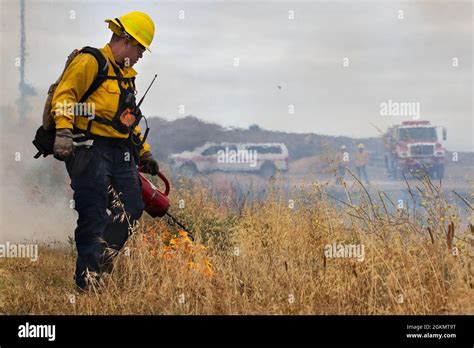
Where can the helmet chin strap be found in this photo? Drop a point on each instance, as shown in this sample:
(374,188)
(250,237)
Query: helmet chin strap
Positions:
(126,35)
(124,32)
(116,53)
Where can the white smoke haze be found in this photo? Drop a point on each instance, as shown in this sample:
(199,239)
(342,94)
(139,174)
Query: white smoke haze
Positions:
(407,60)
(35,193)
(196,42)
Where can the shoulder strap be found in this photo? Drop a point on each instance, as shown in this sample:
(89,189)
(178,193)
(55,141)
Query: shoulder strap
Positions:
(101,74)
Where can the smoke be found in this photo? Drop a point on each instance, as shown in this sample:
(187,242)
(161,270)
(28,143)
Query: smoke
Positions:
(35,193)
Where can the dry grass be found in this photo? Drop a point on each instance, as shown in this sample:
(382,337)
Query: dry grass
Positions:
(266,258)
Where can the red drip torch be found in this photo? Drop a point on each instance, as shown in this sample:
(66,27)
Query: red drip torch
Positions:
(157,202)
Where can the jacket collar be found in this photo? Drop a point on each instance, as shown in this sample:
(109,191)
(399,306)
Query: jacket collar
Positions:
(127,71)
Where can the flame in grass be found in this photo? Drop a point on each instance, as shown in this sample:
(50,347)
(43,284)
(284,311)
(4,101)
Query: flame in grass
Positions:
(181,247)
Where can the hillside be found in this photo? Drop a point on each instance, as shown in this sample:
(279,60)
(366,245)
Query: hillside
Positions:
(186,133)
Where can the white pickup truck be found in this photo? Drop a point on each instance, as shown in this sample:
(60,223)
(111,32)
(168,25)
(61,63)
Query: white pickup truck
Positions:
(262,158)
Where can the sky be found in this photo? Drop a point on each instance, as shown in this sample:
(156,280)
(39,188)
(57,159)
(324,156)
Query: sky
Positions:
(298,66)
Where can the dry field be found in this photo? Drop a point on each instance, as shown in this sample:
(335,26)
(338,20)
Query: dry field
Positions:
(268,257)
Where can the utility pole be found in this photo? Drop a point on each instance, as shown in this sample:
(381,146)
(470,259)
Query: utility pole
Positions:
(25,89)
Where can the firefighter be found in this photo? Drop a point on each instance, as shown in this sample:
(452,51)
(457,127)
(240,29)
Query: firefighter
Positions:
(340,164)
(361,159)
(111,161)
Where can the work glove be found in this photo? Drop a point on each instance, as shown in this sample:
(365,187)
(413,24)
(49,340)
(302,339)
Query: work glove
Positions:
(149,164)
(63,146)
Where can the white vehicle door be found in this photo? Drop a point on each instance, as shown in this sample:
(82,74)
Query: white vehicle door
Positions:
(209,158)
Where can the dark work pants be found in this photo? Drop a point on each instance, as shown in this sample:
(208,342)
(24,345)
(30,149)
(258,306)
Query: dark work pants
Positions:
(341,172)
(362,173)
(107,162)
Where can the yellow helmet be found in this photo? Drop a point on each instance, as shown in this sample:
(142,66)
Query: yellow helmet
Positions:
(138,25)
(360,146)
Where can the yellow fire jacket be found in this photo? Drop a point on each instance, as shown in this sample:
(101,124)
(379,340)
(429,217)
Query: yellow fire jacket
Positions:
(361,158)
(77,78)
